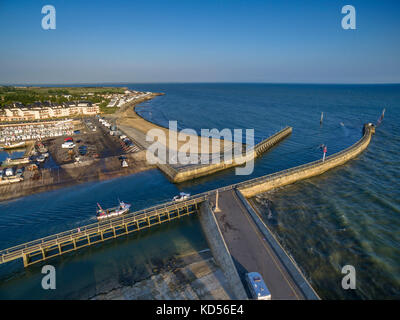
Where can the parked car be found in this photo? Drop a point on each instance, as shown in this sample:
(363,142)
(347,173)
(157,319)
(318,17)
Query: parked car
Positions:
(19,172)
(257,286)
(9,172)
(82,150)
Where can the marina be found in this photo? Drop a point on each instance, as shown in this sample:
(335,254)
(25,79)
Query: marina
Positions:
(194,188)
(18,133)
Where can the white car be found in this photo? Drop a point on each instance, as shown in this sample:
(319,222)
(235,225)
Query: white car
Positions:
(257,286)
(9,172)
(182,196)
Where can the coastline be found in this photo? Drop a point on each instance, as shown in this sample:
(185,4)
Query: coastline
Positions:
(129,118)
(68,175)
(133,125)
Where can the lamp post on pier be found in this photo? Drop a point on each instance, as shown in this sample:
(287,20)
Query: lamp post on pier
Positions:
(217,209)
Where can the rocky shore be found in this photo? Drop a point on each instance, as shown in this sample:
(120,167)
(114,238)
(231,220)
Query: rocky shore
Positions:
(192,277)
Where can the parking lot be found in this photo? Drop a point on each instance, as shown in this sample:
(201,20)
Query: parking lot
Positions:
(91,141)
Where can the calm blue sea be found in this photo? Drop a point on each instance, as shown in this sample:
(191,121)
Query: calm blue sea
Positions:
(350,215)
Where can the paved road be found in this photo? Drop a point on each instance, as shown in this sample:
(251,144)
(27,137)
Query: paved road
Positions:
(250,251)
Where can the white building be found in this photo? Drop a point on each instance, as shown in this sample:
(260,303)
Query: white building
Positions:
(112,103)
(45,112)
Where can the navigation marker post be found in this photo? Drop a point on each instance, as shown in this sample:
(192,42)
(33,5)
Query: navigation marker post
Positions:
(325,150)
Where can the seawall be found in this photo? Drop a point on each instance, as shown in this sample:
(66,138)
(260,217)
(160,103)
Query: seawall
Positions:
(196,171)
(220,250)
(285,258)
(266,183)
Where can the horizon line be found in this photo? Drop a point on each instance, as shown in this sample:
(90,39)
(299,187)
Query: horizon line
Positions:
(194,82)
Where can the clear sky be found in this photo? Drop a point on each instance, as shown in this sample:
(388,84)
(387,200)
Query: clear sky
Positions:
(199,41)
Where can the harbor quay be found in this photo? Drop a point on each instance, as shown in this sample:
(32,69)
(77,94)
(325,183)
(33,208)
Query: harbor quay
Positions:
(240,242)
(65,152)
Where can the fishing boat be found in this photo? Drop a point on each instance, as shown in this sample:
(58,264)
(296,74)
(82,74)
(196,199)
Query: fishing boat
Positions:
(182,196)
(16,161)
(112,212)
(9,146)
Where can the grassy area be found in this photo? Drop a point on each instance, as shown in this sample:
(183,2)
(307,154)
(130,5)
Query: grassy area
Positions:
(27,95)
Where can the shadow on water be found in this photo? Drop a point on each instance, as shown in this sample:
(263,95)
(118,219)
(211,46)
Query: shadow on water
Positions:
(109,265)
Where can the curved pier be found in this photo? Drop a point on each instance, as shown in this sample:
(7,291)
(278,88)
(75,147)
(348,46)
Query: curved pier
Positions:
(275,180)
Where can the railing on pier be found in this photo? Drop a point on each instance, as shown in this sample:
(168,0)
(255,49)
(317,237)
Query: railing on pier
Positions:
(138,220)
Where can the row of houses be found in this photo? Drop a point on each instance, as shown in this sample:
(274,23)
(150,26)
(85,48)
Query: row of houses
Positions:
(118,100)
(45,110)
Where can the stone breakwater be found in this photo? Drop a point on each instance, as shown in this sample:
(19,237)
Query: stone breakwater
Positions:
(266,183)
(195,171)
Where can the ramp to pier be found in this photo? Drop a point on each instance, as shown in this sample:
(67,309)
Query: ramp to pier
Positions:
(249,249)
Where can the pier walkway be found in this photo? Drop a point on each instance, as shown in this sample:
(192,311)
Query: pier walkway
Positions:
(58,244)
(250,250)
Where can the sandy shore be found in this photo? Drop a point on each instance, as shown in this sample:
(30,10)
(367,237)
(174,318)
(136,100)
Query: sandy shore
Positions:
(128,117)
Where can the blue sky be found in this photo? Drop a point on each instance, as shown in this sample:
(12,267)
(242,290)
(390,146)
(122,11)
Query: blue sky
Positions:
(199,41)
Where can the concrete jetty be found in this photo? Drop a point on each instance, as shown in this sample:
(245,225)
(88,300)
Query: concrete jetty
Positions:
(189,172)
(196,171)
(251,251)
(272,181)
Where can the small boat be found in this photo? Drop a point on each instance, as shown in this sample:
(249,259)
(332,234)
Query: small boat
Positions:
(124,164)
(16,161)
(182,196)
(112,212)
(41,158)
(9,146)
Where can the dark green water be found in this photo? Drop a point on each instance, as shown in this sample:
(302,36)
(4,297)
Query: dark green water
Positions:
(347,216)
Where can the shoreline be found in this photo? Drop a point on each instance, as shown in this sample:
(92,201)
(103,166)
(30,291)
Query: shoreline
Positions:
(98,170)
(129,118)
(53,179)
